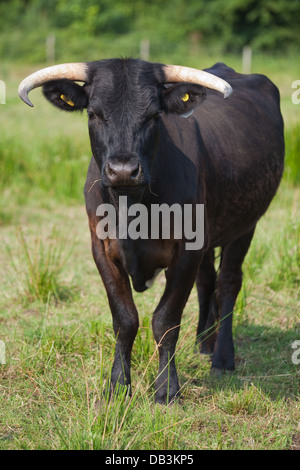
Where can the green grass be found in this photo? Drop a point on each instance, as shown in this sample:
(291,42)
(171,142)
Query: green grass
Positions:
(38,269)
(56,324)
(59,354)
(292,162)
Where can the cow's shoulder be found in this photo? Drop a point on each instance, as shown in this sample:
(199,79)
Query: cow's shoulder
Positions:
(254,80)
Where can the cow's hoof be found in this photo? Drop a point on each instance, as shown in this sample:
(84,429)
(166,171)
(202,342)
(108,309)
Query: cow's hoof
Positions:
(216,372)
(206,350)
(116,392)
(223,362)
(167,399)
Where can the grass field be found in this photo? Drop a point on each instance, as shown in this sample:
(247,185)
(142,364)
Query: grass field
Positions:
(56,324)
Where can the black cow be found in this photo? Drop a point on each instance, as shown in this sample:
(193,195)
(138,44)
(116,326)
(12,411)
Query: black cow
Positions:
(164,134)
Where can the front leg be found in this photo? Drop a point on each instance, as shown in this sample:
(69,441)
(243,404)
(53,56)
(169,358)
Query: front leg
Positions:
(166,324)
(124,312)
(116,282)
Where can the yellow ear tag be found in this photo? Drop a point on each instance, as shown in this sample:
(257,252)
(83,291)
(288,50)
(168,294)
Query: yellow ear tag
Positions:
(67,100)
(186,97)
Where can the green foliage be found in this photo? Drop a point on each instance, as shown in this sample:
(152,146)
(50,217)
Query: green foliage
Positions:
(262,24)
(93,17)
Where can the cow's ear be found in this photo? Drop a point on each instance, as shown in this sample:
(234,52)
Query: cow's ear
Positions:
(65,94)
(182,98)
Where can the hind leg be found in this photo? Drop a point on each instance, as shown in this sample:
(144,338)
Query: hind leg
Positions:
(206,285)
(228,286)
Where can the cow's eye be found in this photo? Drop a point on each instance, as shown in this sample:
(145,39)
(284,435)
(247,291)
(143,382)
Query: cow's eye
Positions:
(154,117)
(92,115)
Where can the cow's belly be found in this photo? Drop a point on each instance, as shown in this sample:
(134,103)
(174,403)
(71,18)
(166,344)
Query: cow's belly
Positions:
(237,213)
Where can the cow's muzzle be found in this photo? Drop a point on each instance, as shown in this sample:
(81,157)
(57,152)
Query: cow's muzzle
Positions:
(123,174)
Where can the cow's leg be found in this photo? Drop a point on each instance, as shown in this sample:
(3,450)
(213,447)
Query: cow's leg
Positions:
(206,285)
(166,325)
(124,313)
(228,287)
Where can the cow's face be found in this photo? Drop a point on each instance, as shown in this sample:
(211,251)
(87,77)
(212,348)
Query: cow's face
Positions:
(126,101)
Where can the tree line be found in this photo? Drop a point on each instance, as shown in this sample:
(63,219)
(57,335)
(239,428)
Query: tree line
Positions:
(262,24)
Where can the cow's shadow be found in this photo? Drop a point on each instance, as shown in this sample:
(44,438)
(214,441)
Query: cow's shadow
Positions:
(265,359)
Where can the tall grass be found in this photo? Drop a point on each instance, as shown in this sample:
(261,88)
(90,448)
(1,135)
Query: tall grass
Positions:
(56,167)
(38,267)
(59,356)
(292,159)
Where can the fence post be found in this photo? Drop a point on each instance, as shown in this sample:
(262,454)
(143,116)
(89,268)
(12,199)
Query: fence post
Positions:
(50,48)
(2,352)
(145,49)
(247,59)
(2,92)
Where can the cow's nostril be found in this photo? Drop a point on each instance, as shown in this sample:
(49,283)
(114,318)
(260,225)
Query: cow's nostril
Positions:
(136,172)
(110,172)
(123,173)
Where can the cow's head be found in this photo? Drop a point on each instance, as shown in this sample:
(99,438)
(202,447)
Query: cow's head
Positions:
(125,99)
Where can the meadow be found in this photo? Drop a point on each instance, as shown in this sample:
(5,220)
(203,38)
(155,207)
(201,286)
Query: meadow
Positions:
(56,324)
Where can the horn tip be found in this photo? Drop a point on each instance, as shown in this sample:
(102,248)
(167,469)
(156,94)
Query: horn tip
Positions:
(24,97)
(27,101)
(227,92)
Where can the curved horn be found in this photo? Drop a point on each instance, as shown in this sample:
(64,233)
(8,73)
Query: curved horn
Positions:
(73,71)
(176,73)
